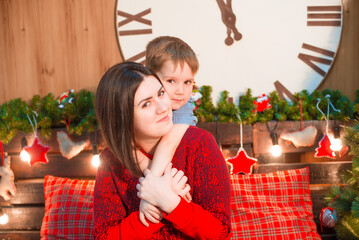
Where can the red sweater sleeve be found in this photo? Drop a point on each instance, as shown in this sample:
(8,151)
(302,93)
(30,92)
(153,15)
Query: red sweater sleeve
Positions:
(208,216)
(197,223)
(110,217)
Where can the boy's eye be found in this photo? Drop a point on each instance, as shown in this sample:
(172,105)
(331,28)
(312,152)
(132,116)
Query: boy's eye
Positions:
(170,81)
(188,82)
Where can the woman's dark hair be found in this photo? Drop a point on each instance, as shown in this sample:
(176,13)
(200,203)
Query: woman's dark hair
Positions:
(114,104)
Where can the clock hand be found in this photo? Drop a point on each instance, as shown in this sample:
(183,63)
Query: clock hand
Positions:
(229,20)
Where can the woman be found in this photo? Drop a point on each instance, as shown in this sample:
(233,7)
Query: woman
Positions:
(134,111)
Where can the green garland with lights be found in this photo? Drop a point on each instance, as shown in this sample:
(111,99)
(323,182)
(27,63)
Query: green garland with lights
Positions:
(281,110)
(80,114)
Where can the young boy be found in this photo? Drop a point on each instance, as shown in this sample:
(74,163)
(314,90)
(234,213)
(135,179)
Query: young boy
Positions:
(176,64)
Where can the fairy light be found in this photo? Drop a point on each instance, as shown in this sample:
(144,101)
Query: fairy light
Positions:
(336,142)
(4,218)
(276,150)
(24,156)
(95,161)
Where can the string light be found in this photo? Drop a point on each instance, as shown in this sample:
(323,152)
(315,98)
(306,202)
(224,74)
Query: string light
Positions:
(24,156)
(4,218)
(276,150)
(95,161)
(336,142)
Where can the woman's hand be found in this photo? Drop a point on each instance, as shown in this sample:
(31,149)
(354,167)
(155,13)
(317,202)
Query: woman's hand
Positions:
(150,212)
(158,190)
(179,184)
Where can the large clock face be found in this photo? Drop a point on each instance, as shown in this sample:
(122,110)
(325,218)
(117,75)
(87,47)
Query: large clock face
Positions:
(240,44)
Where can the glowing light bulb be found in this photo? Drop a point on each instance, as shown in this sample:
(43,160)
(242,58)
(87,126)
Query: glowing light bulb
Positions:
(4,219)
(336,144)
(25,156)
(95,161)
(276,150)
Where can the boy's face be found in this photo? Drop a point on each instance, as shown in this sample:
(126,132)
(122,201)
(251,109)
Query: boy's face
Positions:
(178,82)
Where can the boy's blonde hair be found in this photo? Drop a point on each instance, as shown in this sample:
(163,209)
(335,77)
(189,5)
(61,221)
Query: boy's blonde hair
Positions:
(164,48)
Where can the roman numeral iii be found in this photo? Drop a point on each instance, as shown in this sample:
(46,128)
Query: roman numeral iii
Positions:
(324,16)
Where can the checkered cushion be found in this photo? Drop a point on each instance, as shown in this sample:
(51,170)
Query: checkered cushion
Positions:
(272,206)
(68,208)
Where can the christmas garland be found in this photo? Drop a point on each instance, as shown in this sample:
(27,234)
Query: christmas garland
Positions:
(75,111)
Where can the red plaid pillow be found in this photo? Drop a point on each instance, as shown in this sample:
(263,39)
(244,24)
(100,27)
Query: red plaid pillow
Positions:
(272,206)
(68,208)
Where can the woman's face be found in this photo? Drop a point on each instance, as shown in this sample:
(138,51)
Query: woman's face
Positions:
(152,110)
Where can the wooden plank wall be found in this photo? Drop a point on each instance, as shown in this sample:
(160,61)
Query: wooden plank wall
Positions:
(51,46)
(26,209)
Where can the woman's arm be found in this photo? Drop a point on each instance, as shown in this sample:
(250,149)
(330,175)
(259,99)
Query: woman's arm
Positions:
(110,216)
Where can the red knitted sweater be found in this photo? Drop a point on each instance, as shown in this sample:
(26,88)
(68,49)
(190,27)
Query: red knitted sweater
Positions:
(206,217)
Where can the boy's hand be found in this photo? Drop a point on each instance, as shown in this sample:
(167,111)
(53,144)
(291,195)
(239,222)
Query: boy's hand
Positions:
(150,212)
(179,184)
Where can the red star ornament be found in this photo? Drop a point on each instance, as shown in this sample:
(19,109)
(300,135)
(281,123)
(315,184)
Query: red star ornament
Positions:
(241,162)
(37,152)
(324,148)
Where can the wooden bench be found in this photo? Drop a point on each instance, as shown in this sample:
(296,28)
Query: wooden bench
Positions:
(26,209)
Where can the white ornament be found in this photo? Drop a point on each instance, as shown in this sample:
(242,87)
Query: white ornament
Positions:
(7,186)
(303,138)
(69,148)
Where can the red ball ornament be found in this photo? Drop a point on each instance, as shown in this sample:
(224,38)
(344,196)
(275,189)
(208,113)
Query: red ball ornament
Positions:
(324,148)
(328,217)
(241,162)
(37,152)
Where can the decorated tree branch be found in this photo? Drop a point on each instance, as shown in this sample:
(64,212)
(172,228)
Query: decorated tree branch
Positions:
(345,200)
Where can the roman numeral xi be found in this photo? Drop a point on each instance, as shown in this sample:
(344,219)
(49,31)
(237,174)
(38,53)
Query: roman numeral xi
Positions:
(139,17)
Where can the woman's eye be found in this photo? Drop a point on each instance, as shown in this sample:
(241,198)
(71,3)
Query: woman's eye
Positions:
(161,93)
(146,104)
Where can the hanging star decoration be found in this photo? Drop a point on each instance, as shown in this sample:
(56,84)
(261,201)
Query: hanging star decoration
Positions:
(37,152)
(324,148)
(241,162)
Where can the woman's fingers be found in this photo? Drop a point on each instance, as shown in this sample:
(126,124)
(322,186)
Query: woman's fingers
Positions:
(151,218)
(143,219)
